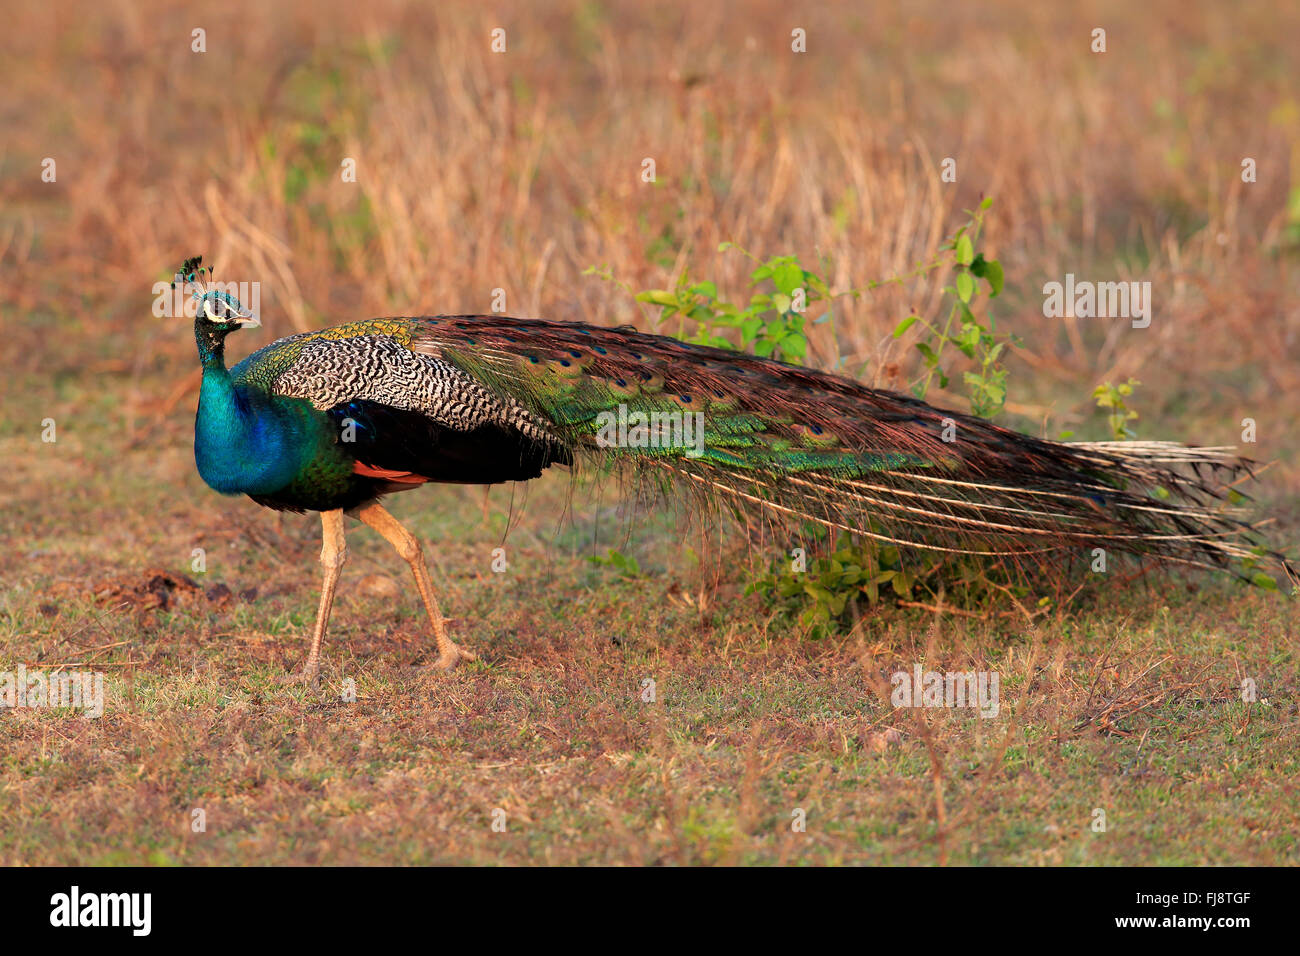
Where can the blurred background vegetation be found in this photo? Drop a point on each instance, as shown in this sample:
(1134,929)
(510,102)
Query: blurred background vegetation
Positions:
(519,170)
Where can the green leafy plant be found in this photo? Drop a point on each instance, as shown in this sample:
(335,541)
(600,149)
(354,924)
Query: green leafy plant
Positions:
(831,592)
(986,382)
(625,565)
(825,593)
(1249,571)
(1115,398)
(773,323)
(1293,216)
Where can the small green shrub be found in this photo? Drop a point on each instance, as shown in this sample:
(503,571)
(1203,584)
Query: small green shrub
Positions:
(986,382)
(829,592)
(624,565)
(772,324)
(1115,397)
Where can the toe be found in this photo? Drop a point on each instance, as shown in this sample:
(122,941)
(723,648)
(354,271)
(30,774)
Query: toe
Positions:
(452,656)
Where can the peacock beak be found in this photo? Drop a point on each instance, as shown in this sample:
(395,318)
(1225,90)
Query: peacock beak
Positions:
(245,319)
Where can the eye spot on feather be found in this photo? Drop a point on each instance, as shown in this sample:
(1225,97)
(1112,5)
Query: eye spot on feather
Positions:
(575,353)
(601,351)
(815,435)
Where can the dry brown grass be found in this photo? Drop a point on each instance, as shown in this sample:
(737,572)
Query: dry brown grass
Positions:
(518,171)
(1134,711)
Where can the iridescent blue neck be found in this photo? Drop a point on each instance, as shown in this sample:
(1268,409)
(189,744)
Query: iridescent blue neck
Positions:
(211,339)
(245,441)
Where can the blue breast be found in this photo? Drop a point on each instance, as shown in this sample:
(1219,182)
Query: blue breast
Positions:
(247,442)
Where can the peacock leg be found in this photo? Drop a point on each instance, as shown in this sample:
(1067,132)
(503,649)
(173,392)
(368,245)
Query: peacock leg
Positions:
(408,546)
(333,555)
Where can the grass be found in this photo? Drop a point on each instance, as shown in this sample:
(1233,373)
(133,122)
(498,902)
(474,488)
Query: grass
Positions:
(1131,705)
(519,171)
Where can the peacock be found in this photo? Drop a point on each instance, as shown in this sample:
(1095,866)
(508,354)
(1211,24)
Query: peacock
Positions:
(332,421)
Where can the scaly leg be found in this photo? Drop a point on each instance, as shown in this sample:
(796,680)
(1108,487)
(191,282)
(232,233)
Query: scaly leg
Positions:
(333,555)
(408,546)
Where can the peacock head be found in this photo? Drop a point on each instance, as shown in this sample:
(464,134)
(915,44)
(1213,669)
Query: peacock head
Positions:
(218,312)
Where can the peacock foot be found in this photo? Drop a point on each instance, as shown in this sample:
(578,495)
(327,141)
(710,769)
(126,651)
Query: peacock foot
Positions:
(452,654)
(305,676)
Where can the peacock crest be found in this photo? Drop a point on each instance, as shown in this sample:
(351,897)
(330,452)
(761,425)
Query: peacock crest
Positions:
(215,304)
